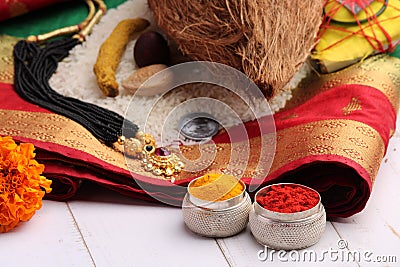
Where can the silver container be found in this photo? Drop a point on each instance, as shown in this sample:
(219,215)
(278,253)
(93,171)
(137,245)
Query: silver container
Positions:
(287,231)
(219,218)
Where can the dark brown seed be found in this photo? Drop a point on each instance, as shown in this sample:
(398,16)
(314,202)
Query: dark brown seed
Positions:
(151,48)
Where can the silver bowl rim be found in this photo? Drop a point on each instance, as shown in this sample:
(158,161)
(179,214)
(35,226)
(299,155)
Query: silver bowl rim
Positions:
(222,210)
(216,205)
(308,219)
(285,217)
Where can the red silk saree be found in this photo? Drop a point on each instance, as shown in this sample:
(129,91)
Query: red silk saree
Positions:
(331,136)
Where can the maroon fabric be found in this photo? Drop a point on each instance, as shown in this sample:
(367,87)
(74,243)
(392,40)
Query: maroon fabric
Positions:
(13,8)
(345,186)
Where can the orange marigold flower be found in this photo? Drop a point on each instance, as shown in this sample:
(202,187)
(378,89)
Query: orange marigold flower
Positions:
(22,186)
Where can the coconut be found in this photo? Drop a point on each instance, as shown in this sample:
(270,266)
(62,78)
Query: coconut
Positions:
(268,40)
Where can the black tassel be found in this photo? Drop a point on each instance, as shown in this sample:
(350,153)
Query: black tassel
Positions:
(34,65)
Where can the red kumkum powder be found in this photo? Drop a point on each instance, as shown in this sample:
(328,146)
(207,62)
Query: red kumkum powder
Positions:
(287,198)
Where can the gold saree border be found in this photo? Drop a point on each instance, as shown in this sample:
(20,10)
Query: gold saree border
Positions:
(348,139)
(56,129)
(6,58)
(381,72)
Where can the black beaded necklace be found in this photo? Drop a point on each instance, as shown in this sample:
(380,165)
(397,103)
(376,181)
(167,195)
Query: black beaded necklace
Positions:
(34,64)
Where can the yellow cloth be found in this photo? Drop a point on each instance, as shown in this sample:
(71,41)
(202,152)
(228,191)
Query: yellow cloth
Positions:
(340,43)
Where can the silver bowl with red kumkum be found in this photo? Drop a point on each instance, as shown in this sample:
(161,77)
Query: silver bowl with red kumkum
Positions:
(287,216)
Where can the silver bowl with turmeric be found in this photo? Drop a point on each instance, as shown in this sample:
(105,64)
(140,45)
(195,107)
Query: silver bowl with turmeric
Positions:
(216,205)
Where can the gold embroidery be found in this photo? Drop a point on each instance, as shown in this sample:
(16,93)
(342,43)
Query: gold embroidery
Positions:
(381,72)
(10,131)
(6,58)
(102,155)
(353,105)
(354,154)
(42,136)
(305,128)
(365,146)
(81,134)
(333,124)
(320,149)
(49,127)
(75,144)
(367,131)
(328,137)
(358,142)
(296,143)
(59,130)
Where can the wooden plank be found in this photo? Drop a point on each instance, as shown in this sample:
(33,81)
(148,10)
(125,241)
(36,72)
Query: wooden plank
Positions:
(125,232)
(50,238)
(376,230)
(243,250)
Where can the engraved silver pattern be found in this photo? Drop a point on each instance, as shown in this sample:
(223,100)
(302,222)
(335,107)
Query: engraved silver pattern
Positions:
(216,223)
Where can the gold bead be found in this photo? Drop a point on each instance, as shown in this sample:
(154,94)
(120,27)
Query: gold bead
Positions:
(169,171)
(163,164)
(181,164)
(157,172)
(177,168)
(132,147)
(139,135)
(148,139)
(148,167)
(149,149)
(121,140)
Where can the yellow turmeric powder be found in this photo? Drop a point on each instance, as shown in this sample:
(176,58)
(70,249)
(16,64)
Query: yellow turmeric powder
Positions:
(216,187)
(111,51)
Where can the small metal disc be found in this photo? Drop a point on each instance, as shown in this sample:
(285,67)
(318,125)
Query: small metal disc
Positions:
(198,126)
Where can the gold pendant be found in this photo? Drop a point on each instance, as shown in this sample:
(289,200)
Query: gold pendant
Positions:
(158,160)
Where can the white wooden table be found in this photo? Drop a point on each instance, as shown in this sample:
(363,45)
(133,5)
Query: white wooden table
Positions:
(101,228)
